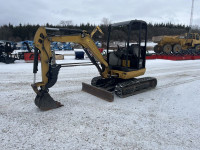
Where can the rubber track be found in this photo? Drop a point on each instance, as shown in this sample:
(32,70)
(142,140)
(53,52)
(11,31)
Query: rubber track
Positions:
(135,86)
(125,88)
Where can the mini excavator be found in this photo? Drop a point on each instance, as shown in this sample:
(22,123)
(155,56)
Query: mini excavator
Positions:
(118,71)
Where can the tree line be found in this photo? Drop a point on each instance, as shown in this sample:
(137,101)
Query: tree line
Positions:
(27,31)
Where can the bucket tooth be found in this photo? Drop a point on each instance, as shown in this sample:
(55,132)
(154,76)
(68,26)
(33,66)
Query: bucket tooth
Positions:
(98,92)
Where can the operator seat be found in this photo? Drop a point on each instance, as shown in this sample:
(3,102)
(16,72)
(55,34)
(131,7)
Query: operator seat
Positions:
(134,55)
(133,50)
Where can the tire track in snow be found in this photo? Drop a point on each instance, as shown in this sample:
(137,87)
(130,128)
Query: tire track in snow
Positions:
(177,83)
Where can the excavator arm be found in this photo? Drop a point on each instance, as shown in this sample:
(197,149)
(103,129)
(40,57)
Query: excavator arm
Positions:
(50,71)
(97,28)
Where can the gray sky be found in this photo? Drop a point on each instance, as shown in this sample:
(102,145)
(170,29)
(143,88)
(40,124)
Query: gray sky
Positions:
(92,11)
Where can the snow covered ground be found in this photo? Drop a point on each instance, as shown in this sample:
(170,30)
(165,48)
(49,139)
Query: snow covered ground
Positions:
(167,117)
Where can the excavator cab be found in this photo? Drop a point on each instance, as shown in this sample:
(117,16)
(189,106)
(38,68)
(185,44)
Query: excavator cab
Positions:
(131,55)
(125,63)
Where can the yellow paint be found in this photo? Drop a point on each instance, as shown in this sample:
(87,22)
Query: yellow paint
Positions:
(124,63)
(128,75)
(95,30)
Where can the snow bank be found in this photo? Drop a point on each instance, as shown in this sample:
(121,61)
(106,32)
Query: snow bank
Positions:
(167,117)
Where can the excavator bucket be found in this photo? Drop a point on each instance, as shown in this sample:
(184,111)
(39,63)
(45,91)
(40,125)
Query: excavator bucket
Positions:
(98,92)
(45,102)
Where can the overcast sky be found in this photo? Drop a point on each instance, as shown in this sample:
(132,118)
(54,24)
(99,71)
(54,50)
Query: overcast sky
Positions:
(92,11)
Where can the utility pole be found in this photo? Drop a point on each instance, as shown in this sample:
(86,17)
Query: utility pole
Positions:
(191,16)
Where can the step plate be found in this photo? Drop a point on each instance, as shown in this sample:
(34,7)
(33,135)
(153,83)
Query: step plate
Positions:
(98,92)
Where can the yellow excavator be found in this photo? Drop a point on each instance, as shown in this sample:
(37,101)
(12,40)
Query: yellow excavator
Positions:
(118,71)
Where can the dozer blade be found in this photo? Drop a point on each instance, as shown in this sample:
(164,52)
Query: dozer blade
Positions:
(45,102)
(98,92)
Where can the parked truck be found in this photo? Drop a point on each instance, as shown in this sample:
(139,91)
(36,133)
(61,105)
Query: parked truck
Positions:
(186,44)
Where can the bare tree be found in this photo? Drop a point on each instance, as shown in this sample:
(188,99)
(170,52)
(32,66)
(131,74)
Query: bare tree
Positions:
(195,27)
(105,21)
(66,22)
